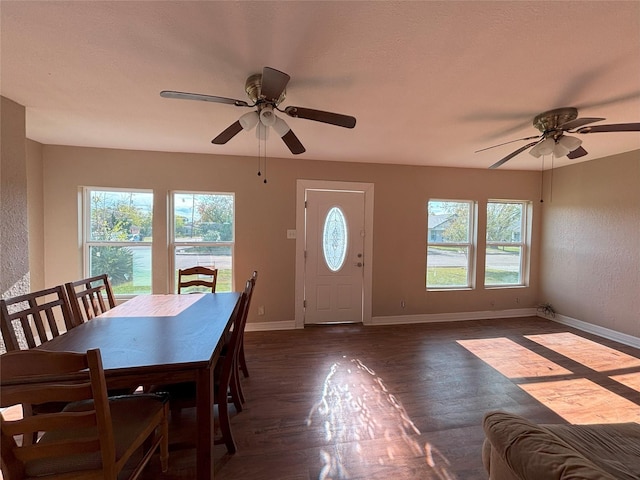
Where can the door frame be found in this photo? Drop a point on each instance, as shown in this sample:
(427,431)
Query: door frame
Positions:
(302,186)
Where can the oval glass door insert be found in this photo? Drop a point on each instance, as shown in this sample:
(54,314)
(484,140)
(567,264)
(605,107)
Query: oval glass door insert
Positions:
(334,239)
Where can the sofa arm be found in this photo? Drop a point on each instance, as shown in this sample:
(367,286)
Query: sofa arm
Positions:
(494,464)
(531,452)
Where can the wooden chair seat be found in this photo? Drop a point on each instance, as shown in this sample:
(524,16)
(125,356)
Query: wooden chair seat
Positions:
(131,416)
(94,436)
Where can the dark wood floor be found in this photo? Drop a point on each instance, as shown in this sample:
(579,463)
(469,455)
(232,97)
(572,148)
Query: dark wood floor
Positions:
(406,402)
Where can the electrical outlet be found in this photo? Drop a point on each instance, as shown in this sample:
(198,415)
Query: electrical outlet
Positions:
(261,310)
(403,304)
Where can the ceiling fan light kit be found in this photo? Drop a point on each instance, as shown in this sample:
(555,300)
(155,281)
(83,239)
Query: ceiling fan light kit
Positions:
(545,147)
(552,139)
(249,120)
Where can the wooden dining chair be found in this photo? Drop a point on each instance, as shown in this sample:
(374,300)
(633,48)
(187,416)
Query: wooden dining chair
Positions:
(34,318)
(197,280)
(90,297)
(235,387)
(242,361)
(93,437)
(183,395)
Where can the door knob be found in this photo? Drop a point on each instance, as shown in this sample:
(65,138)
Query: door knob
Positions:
(359,264)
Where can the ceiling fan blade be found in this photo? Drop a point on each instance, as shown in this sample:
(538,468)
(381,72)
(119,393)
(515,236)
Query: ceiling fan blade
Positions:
(577,153)
(579,122)
(614,127)
(511,155)
(293,143)
(338,119)
(273,83)
(203,98)
(229,132)
(506,143)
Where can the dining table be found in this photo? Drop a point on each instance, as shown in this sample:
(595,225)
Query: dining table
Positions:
(160,339)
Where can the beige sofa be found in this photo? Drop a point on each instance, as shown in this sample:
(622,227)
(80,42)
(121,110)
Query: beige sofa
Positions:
(515,448)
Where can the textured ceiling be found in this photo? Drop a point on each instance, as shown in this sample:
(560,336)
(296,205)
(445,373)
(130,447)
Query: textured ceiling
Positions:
(429,82)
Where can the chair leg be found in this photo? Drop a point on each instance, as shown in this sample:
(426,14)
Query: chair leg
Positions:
(236,390)
(243,361)
(225,426)
(239,386)
(164,445)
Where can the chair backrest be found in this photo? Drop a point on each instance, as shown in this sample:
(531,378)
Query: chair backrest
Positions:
(90,297)
(253,279)
(36,377)
(233,345)
(34,318)
(197,279)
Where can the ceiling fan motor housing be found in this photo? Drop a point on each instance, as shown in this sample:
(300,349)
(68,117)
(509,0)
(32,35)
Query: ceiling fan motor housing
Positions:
(551,121)
(253,87)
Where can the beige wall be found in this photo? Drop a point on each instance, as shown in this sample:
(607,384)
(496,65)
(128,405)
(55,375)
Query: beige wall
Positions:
(35,213)
(265,212)
(586,243)
(14,228)
(591,242)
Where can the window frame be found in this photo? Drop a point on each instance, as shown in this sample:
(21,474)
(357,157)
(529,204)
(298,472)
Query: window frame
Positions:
(524,244)
(470,245)
(174,244)
(88,243)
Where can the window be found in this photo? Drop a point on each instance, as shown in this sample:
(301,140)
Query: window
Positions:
(451,225)
(203,233)
(117,238)
(506,243)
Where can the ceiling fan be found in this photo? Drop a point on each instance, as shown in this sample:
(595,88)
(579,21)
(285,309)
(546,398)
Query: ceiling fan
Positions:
(552,140)
(266,91)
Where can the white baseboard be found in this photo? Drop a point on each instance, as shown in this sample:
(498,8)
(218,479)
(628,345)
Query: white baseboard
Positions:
(452,317)
(596,330)
(463,316)
(267,326)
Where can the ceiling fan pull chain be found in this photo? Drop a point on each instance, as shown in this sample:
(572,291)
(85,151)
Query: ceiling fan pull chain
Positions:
(259,172)
(542,180)
(265,160)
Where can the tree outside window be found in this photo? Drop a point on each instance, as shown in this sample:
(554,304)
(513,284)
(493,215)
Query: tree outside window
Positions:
(506,228)
(203,233)
(449,244)
(118,238)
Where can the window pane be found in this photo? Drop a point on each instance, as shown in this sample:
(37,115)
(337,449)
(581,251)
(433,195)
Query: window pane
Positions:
(120,216)
(503,265)
(203,217)
(447,266)
(504,222)
(129,268)
(220,257)
(449,222)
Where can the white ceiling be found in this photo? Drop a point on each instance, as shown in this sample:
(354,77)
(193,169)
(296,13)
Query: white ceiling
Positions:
(429,82)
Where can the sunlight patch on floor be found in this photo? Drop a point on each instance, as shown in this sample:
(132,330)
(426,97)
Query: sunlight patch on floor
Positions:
(365,424)
(590,354)
(511,359)
(631,380)
(581,401)
(576,399)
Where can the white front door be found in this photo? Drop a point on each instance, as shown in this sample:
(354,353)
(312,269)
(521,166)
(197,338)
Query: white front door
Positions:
(334,256)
